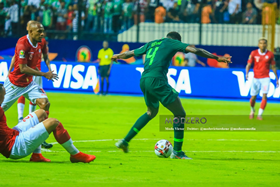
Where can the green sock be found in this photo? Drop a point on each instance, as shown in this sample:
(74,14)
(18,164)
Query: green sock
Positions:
(139,124)
(178,136)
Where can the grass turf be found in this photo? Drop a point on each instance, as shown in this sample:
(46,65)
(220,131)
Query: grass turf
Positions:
(95,122)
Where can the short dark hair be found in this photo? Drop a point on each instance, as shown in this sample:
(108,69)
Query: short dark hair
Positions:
(263,38)
(174,35)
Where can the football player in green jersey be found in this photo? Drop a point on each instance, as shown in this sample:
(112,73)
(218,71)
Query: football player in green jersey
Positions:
(155,87)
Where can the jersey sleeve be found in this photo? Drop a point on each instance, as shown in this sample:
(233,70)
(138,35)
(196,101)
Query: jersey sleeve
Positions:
(21,51)
(272,61)
(142,50)
(179,46)
(251,58)
(99,54)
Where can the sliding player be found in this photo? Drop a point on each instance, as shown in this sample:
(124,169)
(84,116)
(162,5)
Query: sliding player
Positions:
(24,138)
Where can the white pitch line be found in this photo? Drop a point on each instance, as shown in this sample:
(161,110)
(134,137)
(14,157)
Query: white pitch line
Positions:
(143,139)
(147,151)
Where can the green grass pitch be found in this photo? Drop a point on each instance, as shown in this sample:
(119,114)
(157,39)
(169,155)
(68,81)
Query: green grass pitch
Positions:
(95,122)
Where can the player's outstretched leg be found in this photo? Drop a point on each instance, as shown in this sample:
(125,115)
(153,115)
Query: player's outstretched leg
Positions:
(178,111)
(20,107)
(252,104)
(44,103)
(25,128)
(63,138)
(139,124)
(262,107)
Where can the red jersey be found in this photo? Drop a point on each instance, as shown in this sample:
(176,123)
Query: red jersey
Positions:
(262,62)
(25,53)
(44,51)
(7,136)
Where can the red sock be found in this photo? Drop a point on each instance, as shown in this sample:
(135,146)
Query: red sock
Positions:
(21,100)
(61,135)
(32,103)
(252,102)
(263,103)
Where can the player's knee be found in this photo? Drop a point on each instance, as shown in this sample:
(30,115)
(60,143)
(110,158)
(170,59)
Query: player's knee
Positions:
(152,113)
(44,104)
(181,114)
(53,122)
(264,96)
(41,114)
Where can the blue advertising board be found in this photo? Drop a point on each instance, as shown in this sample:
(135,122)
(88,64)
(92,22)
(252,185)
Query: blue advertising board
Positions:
(125,79)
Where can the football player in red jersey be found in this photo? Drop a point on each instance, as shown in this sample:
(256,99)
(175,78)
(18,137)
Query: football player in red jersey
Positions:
(37,79)
(262,60)
(26,136)
(20,82)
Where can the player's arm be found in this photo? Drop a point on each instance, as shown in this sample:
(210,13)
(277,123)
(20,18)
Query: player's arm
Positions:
(206,54)
(47,60)
(248,67)
(12,65)
(125,55)
(273,67)
(45,51)
(27,70)
(249,64)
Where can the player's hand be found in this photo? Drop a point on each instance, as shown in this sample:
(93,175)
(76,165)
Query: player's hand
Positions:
(108,73)
(51,76)
(115,58)
(224,59)
(246,77)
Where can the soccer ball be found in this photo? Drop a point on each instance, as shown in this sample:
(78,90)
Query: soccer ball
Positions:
(163,148)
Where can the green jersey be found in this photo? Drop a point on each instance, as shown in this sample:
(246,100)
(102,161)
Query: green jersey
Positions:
(127,9)
(158,56)
(117,7)
(108,9)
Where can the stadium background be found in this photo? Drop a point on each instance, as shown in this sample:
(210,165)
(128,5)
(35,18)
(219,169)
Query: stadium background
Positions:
(96,123)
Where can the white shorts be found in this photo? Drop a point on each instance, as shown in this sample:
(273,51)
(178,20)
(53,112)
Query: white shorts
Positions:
(38,80)
(260,85)
(31,92)
(31,135)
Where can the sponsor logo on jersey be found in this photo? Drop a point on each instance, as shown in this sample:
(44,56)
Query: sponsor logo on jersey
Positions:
(21,54)
(266,57)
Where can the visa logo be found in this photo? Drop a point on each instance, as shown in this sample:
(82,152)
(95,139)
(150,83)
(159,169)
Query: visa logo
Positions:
(245,86)
(73,78)
(183,82)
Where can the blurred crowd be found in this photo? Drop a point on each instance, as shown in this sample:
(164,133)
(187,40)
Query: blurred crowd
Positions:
(114,16)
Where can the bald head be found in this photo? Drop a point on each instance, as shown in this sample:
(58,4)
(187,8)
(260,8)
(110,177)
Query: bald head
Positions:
(28,24)
(36,31)
(2,93)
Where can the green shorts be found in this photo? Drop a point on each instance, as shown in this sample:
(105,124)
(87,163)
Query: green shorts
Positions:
(157,90)
(103,70)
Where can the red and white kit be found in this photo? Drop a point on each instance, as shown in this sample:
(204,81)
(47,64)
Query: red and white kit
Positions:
(18,84)
(262,62)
